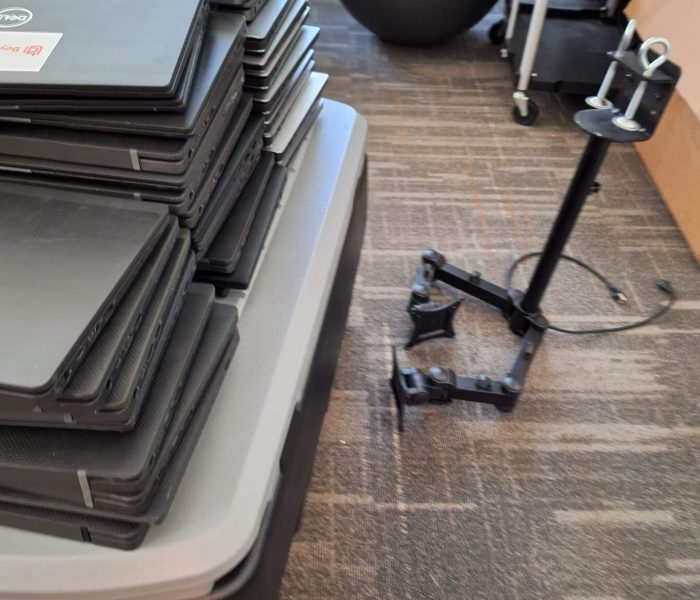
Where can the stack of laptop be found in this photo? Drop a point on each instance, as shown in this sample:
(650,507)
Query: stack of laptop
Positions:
(286,92)
(110,362)
(74,55)
(279,63)
(111,357)
(230,261)
(170,141)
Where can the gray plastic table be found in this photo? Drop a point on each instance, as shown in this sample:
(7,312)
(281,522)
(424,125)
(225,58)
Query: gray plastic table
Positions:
(234,473)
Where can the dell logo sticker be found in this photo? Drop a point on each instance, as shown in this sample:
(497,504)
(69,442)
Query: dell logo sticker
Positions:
(14,17)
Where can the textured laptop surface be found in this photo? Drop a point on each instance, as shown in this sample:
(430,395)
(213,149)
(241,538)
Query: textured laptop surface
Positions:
(234,177)
(84,46)
(64,465)
(223,47)
(63,266)
(200,392)
(243,272)
(224,252)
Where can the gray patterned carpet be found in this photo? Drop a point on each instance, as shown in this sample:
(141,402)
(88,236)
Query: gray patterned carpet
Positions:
(590,489)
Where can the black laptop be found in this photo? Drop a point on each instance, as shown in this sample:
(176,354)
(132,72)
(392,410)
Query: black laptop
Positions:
(240,166)
(244,268)
(217,88)
(208,88)
(84,48)
(64,267)
(190,192)
(199,393)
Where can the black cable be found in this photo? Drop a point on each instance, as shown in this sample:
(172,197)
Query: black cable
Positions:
(615,293)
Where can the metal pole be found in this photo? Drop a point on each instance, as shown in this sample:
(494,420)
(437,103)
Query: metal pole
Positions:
(570,209)
(600,100)
(611,8)
(512,18)
(532,43)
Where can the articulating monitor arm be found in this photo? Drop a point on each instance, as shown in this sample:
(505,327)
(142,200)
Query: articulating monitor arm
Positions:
(432,319)
(413,387)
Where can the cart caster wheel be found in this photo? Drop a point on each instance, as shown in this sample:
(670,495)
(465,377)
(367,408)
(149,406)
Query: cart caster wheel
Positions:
(497,32)
(532,113)
(506,406)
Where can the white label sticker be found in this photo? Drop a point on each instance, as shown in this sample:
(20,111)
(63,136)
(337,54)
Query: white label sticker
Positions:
(26,50)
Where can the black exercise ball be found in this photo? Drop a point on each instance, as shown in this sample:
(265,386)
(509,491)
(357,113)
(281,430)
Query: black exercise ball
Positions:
(418,22)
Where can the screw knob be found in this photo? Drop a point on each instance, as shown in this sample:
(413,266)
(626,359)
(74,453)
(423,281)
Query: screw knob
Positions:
(483,382)
(438,375)
(512,385)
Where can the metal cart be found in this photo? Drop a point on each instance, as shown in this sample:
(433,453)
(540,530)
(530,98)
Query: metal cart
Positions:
(557,46)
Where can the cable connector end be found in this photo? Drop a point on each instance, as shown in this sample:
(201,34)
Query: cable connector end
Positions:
(665,286)
(618,295)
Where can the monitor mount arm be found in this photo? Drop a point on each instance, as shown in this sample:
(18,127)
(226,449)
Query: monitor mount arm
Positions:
(648,81)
